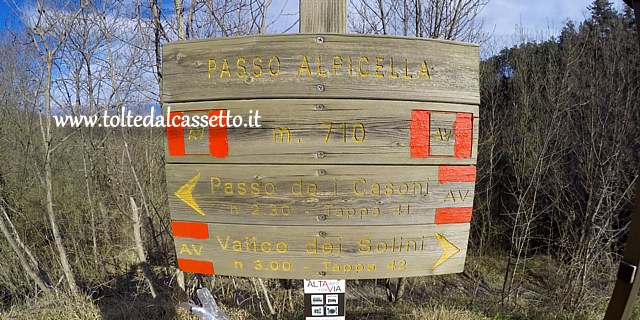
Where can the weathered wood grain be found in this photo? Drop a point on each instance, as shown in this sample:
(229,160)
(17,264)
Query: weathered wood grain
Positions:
(323,188)
(314,195)
(329,252)
(346,66)
(326,16)
(295,131)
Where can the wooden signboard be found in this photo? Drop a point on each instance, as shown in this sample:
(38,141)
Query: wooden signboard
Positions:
(363,166)
(321,66)
(304,195)
(342,131)
(332,251)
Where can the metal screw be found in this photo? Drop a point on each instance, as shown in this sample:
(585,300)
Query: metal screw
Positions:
(322,172)
(322,273)
(320,155)
(322,217)
(322,234)
(320,87)
(319,107)
(319,39)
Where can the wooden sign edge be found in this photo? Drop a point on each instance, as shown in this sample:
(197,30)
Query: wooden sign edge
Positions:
(305,35)
(424,105)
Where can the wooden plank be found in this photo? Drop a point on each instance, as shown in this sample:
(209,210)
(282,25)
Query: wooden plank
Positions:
(332,252)
(321,66)
(311,195)
(326,16)
(295,131)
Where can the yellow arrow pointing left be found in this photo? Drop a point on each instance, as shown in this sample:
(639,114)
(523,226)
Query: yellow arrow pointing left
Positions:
(449,250)
(185,194)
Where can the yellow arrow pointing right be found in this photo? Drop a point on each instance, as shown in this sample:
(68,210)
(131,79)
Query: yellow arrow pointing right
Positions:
(449,250)
(185,194)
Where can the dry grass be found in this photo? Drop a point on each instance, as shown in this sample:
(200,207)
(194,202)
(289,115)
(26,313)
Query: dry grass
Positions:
(445,313)
(472,295)
(54,307)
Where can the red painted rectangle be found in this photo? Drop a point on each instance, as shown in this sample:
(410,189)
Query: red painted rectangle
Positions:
(456,174)
(453,215)
(419,128)
(218,139)
(195,266)
(463,132)
(175,135)
(195,230)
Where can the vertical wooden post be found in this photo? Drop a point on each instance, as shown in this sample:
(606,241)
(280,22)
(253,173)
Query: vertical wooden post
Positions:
(323,16)
(626,290)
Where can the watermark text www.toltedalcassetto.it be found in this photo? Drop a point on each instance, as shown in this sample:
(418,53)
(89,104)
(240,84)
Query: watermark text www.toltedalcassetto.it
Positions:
(126,119)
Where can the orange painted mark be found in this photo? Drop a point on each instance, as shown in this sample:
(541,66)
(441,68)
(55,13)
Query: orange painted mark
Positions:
(456,174)
(195,230)
(463,132)
(195,266)
(453,215)
(175,135)
(218,139)
(419,128)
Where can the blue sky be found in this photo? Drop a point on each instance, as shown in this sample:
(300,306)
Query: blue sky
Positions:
(4,14)
(501,17)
